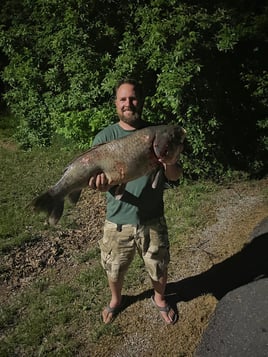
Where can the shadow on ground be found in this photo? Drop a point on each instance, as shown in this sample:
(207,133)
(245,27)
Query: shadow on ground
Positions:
(249,264)
(239,325)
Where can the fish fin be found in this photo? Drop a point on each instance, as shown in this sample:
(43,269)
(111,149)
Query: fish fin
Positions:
(74,196)
(155,178)
(48,203)
(56,213)
(119,191)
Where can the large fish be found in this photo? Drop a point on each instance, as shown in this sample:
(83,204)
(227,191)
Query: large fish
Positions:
(121,160)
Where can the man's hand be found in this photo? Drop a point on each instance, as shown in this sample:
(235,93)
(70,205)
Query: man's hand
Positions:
(99,182)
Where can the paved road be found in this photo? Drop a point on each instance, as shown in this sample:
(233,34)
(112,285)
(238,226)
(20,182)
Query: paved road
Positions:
(239,326)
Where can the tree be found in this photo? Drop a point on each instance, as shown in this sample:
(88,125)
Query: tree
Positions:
(59,52)
(203,66)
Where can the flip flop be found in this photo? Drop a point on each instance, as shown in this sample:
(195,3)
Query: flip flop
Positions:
(113,311)
(165,309)
(110,311)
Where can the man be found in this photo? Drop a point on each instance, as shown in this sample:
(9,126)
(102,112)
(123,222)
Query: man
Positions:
(136,221)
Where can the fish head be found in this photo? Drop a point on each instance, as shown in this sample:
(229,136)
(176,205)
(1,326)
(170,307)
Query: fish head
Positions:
(168,141)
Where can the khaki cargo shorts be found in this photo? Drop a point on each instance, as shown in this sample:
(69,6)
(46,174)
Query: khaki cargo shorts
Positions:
(120,242)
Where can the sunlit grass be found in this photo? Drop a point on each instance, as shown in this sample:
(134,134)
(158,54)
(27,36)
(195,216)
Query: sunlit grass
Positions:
(58,312)
(24,174)
(187,208)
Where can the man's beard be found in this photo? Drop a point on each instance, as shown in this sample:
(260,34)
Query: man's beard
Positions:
(130,119)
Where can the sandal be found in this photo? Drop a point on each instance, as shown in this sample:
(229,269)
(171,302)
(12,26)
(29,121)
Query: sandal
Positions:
(109,313)
(165,309)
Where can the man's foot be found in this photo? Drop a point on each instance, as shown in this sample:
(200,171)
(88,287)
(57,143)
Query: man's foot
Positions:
(166,312)
(109,313)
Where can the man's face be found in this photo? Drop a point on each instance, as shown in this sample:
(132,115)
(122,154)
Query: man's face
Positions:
(128,104)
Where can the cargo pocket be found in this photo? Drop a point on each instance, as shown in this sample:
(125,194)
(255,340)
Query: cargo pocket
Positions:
(106,247)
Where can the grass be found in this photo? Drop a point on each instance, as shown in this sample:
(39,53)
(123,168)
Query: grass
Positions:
(45,319)
(187,208)
(39,317)
(23,175)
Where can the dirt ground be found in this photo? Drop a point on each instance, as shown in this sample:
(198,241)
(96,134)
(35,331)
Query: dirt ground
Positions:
(238,209)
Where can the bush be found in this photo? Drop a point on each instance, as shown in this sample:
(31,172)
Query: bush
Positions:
(203,66)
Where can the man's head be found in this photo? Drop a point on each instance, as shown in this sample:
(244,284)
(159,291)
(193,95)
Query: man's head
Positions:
(129,101)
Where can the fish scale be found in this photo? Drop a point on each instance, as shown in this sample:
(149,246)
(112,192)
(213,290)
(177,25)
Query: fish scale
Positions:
(121,160)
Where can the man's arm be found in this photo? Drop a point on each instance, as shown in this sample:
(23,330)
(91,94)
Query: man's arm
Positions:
(99,182)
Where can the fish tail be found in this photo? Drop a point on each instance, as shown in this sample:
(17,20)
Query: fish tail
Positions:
(56,213)
(50,204)
(43,203)
(74,196)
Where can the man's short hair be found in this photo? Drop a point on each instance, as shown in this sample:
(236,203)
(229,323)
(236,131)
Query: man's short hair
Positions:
(137,85)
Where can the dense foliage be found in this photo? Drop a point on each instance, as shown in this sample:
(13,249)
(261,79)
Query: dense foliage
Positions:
(203,65)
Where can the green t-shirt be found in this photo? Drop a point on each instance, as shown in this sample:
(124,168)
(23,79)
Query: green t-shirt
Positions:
(140,202)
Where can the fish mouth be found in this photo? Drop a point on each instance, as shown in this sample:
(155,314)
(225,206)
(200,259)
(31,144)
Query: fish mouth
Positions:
(164,154)
(168,145)
(159,151)
(168,154)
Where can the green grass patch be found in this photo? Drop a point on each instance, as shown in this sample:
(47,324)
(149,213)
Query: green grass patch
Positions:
(24,174)
(89,255)
(187,208)
(37,317)
(56,315)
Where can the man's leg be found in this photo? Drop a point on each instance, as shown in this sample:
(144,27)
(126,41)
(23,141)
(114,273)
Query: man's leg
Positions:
(159,298)
(116,298)
(117,252)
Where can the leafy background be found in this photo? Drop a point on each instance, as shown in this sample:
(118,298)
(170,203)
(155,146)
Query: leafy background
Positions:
(203,65)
